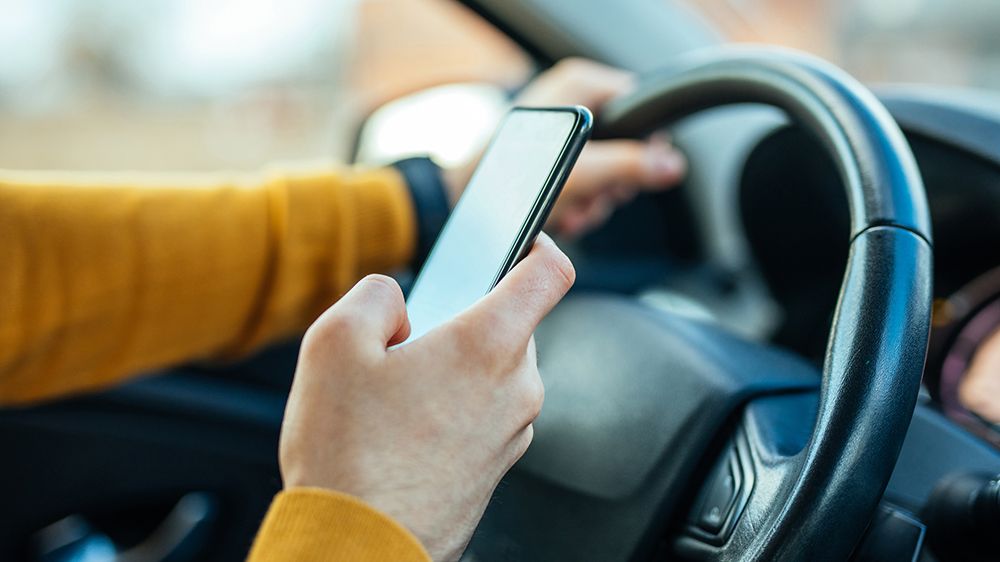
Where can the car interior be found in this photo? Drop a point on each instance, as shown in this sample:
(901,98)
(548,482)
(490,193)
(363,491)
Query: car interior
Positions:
(759,365)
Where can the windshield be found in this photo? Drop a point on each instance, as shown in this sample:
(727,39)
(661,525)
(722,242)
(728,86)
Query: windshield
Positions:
(226,84)
(942,42)
(229,84)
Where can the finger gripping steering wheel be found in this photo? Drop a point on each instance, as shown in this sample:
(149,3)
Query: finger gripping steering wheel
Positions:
(809,505)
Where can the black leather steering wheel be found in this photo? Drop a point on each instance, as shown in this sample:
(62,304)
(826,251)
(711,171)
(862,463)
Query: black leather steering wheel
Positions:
(640,403)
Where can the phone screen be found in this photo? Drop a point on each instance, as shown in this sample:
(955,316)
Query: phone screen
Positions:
(502,196)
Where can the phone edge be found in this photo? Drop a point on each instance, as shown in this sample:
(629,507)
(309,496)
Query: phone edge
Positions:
(553,184)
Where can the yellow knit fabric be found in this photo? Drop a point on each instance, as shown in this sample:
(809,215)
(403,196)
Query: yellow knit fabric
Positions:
(306,524)
(104,277)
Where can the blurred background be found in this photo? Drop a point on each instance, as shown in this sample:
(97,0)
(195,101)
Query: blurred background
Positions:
(240,84)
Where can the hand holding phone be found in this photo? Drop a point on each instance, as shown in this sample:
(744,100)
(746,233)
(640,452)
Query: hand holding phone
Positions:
(500,213)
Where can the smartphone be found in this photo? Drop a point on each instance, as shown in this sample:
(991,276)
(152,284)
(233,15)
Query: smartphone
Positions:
(500,212)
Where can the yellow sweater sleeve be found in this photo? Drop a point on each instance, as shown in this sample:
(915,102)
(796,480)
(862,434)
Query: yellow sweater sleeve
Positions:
(104,277)
(306,524)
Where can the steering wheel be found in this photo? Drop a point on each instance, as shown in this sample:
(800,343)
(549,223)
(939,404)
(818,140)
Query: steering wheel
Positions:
(663,436)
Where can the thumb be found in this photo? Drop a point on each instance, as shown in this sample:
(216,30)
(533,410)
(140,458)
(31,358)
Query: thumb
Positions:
(373,311)
(604,165)
(524,296)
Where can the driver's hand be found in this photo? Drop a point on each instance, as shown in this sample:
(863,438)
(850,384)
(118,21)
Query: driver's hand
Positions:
(423,432)
(979,389)
(609,172)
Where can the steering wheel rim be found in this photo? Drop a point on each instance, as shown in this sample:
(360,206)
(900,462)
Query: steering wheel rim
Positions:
(878,341)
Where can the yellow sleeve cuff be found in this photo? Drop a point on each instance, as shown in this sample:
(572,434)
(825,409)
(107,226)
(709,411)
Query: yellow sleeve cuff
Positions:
(307,524)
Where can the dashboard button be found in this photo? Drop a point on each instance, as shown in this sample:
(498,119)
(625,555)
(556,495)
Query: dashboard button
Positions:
(720,497)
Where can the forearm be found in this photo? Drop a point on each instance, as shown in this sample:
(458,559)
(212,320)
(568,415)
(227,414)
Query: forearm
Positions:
(102,279)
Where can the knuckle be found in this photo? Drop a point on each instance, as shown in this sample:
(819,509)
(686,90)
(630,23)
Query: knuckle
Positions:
(533,395)
(332,330)
(314,345)
(523,440)
(379,282)
(574,67)
(337,324)
(387,291)
(313,338)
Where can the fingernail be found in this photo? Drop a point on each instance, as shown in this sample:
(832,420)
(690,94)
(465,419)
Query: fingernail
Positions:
(667,164)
